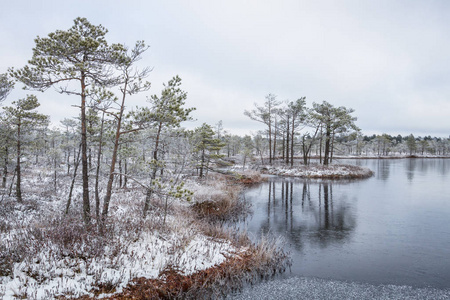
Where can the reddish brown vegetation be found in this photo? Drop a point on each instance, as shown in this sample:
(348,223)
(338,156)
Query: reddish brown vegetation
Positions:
(205,284)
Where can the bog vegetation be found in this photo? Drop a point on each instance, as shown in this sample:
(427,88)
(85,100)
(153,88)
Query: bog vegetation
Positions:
(85,193)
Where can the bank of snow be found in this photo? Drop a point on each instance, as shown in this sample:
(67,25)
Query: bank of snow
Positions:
(44,254)
(53,271)
(334,171)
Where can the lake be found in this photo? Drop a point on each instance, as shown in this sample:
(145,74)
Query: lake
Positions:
(392,228)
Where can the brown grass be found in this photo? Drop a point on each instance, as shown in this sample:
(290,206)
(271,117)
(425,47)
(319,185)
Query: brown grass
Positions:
(220,201)
(249,177)
(263,260)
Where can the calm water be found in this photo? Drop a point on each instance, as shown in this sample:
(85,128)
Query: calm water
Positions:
(393,228)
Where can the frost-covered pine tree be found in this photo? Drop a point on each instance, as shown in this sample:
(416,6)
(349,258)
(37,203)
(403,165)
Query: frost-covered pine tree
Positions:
(79,56)
(23,117)
(206,148)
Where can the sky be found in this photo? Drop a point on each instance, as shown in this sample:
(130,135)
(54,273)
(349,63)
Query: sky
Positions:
(389,60)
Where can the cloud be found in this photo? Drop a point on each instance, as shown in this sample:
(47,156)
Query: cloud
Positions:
(386,59)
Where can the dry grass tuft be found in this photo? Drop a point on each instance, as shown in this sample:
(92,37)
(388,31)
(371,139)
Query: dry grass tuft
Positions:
(249,177)
(219,200)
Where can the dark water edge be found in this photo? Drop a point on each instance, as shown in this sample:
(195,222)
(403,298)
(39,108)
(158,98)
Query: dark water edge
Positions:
(390,230)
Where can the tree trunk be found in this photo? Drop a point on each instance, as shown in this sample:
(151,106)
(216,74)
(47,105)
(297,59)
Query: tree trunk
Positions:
(320,145)
(68,162)
(84,158)
(5,168)
(327,146)
(275,141)
(148,196)
(305,151)
(54,167)
(292,141)
(12,183)
(332,148)
(107,198)
(270,143)
(90,158)
(18,172)
(75,169)
(125,166)
(287,141)
(202,164)
(154,170)
(97,172)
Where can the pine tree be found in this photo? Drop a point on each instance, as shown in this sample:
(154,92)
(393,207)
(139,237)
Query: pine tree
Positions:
(411,143)
(80,54)
(206,148)
(23,118)
(333,119)
(6,85)
(165,112)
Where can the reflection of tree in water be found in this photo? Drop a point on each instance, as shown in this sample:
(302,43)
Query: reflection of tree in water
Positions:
(444,166)
(411,167)
(298,213)
(426,165)
(383,169)
(335,223)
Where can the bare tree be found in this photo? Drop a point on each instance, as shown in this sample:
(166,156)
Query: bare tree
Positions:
(266,114)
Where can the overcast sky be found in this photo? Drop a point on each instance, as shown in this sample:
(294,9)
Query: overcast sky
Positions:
(388,60)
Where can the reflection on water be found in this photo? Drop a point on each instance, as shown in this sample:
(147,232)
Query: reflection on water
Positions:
(383,169)
(411,166)
(391,228)
(321,219)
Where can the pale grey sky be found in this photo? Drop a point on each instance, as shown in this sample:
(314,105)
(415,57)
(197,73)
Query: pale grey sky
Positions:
(389,60)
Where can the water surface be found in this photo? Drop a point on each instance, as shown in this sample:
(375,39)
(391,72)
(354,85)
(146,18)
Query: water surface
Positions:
(393,228)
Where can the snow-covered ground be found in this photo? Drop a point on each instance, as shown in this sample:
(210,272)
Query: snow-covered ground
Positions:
(67,263)
(48,275)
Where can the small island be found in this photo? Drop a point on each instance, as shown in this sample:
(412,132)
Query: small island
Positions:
(337,171)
